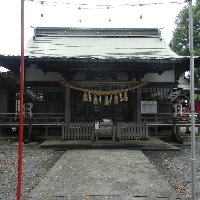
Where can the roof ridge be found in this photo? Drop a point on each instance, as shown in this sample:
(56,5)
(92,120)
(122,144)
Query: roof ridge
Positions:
(66,31)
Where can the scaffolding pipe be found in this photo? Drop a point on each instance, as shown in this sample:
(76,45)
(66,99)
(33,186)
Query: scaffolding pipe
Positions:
(193,157)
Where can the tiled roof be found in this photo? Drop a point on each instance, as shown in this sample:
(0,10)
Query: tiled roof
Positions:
(98,44)
(176,93)
(30,94)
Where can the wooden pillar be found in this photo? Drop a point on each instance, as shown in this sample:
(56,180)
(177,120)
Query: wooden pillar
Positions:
(46,131)
(138,108)
(131,112)
(174,128)
(67,108)
(156,121)
(30,130)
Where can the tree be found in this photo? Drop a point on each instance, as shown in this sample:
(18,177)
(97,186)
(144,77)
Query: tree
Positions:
(180,39)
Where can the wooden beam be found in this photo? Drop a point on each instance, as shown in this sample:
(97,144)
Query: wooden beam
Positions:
(67,108)
(138,108)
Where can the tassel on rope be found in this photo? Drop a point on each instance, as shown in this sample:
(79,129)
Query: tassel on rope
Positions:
(106,101)
(125,96)
(95,100)
(116,100)
(85,97)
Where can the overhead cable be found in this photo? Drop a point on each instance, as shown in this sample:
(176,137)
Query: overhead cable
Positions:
(67,4)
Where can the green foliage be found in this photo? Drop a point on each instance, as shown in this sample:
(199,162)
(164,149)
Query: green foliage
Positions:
(180,39)
(196,78)
(197,97)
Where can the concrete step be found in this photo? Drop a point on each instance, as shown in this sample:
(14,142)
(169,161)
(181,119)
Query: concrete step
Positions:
(152,144)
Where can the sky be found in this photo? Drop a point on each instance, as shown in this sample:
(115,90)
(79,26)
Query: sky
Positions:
(87,13)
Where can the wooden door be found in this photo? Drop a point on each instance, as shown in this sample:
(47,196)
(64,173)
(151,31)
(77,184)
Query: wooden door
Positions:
(87,111)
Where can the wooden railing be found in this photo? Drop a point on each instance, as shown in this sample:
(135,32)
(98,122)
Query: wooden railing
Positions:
(157,117)
(123,131)
(38,118)
(58,118)
(78,131)
(158,120)
(44,120)
(48,120)
(132,131)
(151,118)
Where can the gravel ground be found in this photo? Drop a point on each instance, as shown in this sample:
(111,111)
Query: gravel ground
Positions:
(175,166)
(36,163)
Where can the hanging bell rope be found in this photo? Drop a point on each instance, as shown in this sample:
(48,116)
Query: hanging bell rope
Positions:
(85,97)
(95,100)
(106,101)
(97,92)
(116,100)
(125,98)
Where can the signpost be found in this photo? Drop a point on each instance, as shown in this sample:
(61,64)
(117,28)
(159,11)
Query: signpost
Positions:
(21,120)
(27,110)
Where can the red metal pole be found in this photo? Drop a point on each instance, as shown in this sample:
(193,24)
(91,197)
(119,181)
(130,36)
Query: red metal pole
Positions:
(21,120)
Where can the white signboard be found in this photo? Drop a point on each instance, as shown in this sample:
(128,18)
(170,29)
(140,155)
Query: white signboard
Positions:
(27,110)
(148,106)
(97,125)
